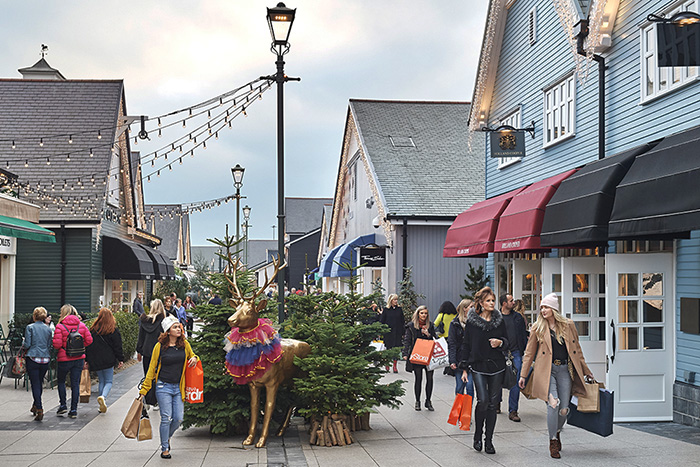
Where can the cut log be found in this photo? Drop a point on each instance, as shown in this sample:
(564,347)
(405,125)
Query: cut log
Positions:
(314,433)
(338,429)
(320,441)
(348,436)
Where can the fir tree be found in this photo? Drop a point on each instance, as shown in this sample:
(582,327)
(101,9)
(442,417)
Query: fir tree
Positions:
(408,297)
(475,281)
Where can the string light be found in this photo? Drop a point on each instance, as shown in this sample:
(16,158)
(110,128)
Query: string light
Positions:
(91,153)
(41,142)
(70,139)
(13,144)
(99,134)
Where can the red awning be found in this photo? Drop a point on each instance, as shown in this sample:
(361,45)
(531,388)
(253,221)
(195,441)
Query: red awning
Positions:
(474,231)
(520,224)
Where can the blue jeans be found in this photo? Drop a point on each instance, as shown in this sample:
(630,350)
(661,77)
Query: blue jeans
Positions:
(172,409)
(461,385)
(105,378)
(74,367)
(36,372)
(514,397)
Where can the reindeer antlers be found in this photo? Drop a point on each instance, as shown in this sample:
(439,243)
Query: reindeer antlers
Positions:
(233,287)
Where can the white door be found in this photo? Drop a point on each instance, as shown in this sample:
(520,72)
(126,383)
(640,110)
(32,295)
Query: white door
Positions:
(583,301)
(527,286)
(640,335)
(551,276)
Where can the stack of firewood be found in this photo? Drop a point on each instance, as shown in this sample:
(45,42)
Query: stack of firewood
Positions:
(335,430)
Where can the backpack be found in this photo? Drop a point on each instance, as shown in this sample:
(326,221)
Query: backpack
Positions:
(75,346)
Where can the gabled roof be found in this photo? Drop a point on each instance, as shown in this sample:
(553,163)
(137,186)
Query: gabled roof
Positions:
(41,70)
(420,155)
(304,214)
(34,109)
(171,224)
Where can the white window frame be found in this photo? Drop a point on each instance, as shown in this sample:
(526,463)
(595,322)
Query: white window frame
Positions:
(559,106)
(672,78)
(513,120)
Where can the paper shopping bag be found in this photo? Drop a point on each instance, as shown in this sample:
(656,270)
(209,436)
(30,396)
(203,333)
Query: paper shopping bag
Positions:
(465,416)
(422,351)
(529,383)
(590,403)
(194,384)
(453,418)
(130,426)
(144,427)
(439,359)
(85,386)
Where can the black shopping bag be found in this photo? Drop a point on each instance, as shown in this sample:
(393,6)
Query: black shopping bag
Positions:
(600,423)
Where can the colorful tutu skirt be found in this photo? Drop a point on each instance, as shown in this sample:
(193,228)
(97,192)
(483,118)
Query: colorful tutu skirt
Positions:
(249,355)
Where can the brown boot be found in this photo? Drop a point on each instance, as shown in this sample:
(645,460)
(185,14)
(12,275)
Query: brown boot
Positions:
(554,449)
(39,415)
(33,409)
(558,441)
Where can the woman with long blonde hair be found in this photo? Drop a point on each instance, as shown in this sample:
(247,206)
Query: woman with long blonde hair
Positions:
(392,316)
(105,353)
(420,327)
(482,357)
(149,331)
(454,341)
(561,367)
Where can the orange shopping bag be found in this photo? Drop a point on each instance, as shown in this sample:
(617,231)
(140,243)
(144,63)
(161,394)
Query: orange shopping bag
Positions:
(456,410)
(194,384)
(465,416)
(422,351)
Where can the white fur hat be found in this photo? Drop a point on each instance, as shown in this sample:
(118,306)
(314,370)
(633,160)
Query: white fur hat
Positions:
(167,322)
(551,301)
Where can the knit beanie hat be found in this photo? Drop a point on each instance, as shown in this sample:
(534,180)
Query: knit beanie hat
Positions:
(167,322)
(551,301)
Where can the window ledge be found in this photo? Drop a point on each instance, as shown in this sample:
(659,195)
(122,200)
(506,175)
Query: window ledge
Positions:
(558,140)
(508,164)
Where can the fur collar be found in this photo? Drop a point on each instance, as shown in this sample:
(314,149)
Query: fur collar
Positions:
(481,323)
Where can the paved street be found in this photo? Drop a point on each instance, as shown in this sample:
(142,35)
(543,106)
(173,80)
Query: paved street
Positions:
(401,437)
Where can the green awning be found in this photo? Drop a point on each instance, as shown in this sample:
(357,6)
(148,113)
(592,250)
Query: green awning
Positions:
(18,228)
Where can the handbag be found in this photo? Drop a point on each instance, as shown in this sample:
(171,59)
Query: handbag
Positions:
(439,358)
(510,376)
(144,427)
(600,423)
(150,397)
(194,384)
(527,390)
(440,329)
(85,384)
(422,351)
(19,366)
(590,403)
(130,425)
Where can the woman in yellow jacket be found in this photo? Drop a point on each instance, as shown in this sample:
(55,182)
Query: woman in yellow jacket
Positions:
(170,356)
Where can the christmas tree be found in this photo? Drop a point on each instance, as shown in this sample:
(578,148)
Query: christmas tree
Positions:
(475,281)
(408,297)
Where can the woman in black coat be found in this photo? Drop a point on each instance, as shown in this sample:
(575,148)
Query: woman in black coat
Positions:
(392,316)
(482,353)
(420,327)
(104,353)
(149,332)
(454,344)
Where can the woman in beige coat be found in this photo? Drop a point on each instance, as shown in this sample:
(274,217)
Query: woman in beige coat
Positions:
(560,367)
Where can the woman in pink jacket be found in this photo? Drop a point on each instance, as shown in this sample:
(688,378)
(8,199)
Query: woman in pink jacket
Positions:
(71,357)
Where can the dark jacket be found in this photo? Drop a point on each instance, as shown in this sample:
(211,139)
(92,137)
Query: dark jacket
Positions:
(518,341)
(138,307)
(60,337)
(38,340)
(454,340)
(105,352)
(476,352)
(148,334)
(393,317)
(409,340)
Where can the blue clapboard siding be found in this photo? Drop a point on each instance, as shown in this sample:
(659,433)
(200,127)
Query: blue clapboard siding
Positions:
(687,285)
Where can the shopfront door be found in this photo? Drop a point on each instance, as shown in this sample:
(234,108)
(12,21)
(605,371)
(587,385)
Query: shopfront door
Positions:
(527,286)
(639,327)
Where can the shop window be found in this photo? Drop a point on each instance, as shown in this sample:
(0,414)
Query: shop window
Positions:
(121,297)
(560,111)
(641,311)
(644,246)
(657,81)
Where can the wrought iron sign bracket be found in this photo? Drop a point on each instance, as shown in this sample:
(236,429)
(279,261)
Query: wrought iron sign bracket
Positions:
(530,129)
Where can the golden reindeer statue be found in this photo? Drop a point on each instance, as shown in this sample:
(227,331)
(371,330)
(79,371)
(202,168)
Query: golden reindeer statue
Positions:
(255,355)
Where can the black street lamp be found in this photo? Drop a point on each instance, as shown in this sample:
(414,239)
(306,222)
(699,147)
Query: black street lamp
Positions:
(280,20)
(237,173)
(246,226)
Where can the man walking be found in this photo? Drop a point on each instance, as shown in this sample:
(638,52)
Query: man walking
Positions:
(517,338)
(138,304)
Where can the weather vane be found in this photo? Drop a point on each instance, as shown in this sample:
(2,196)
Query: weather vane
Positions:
(44,50)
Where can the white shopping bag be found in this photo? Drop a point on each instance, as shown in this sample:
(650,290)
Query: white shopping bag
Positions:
(440,359)
(378,345)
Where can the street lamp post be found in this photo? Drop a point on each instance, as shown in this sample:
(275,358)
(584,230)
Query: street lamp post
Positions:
(246,227)
(280,20)
(237,173)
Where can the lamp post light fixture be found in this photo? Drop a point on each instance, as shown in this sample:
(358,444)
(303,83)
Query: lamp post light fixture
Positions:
(246,226)
(237,173)
(280,20)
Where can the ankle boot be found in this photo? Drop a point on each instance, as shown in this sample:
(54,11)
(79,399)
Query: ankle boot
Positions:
(418,406)
(488,447)
(33,409)
(554,449)
(39,416)
(558,441)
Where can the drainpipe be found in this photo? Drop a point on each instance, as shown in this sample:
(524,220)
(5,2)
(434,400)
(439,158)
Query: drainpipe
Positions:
(63,264)
(404,235)
(580,37)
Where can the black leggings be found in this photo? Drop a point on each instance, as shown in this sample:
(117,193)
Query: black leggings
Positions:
(418,373)
(488,396)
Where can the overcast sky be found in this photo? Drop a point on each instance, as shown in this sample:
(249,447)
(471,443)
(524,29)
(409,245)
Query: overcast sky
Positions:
(177,53)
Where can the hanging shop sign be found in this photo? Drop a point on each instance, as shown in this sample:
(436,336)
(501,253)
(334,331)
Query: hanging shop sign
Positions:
(507,141)
(8,245)
(372,257)
(678,45)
